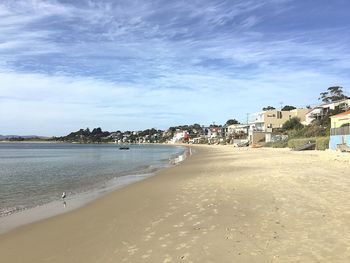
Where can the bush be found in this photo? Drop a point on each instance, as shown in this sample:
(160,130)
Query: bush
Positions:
(293,143)
(322,143)
(311,131)
(279,144)
(292,124)
(315,131)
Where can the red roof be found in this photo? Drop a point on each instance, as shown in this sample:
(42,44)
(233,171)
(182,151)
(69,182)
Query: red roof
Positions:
(341,114)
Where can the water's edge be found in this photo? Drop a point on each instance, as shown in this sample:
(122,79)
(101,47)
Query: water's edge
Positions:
(34,214)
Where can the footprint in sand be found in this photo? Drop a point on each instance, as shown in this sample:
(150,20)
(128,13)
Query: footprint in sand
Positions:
(132,251)
(192,217)
(197,223)
(167,214)
(149,236)
(187,214)
(154,223)
(212,227)
(181,224)
(167,259)
(182,246)
(194,239)
(183,233)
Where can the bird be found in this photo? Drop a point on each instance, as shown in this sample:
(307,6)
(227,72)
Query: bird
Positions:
(63,195)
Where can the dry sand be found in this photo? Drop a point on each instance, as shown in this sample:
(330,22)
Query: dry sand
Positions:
(220,205)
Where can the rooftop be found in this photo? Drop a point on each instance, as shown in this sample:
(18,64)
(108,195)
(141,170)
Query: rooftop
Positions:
(342,114)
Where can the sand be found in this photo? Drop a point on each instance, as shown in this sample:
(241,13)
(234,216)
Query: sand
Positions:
(220,205)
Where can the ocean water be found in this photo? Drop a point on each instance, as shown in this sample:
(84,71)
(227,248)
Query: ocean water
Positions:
(34,174)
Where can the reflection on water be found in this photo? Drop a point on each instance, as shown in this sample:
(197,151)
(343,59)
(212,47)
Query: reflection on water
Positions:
(187,152)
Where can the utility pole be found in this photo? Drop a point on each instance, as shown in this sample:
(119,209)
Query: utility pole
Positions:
(281,103)
(247,118)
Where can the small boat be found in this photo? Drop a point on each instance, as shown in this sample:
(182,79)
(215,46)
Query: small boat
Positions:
(124,148)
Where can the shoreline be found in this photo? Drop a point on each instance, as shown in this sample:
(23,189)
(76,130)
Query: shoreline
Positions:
(220,205)
(53,208)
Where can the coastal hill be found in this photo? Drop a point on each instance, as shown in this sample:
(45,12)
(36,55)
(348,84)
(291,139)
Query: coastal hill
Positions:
(22,137)
(97,135)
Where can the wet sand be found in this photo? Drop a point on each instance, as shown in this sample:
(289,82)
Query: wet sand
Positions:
(220,205)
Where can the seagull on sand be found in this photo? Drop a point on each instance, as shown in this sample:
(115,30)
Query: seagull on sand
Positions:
(63,195)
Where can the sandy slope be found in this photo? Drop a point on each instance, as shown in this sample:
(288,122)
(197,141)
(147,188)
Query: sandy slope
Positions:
(221,205)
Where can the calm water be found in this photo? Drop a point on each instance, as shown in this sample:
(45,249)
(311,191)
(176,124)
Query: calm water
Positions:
(33,174)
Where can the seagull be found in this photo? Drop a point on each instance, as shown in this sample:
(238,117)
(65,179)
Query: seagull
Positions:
(63,195)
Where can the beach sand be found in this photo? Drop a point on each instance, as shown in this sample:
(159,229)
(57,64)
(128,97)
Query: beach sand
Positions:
(220,205)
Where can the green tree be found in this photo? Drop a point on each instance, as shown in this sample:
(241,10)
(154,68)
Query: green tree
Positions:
(288,108)
(268,108)
(232,121)
(333,93)
(292,124)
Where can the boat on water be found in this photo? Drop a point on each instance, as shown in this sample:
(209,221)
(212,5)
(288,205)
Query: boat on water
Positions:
(124,148)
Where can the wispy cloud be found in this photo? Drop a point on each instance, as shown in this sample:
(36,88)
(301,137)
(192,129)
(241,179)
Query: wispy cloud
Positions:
(138,64)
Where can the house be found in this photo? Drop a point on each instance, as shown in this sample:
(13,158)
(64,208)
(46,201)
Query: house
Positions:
(237,129)
(180,136)
(340,130)
(319,111)
(237,133)
(272,119)
(266,122)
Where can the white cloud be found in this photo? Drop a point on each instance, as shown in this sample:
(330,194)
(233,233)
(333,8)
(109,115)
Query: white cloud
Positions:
(138,64)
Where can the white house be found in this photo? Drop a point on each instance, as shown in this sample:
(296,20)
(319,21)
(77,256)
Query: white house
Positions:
(322,109)
(179,136)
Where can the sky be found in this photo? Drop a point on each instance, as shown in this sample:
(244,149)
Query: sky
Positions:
(137,64)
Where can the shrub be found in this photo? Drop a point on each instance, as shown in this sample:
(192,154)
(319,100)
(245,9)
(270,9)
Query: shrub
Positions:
(310,131)
(293,143)
(279,144)
(322,143)
(315,131)
(293,123)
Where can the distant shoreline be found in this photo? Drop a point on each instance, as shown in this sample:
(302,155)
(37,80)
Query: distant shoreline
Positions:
(28,141)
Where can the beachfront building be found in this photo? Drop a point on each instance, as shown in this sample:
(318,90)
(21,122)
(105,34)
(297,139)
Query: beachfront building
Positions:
(340,131)
(180,136)
(237,129)
(265,122)
(213,134)
(320,111)
(237,133)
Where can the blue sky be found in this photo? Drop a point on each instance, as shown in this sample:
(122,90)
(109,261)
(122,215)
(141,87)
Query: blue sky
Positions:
(136,64)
